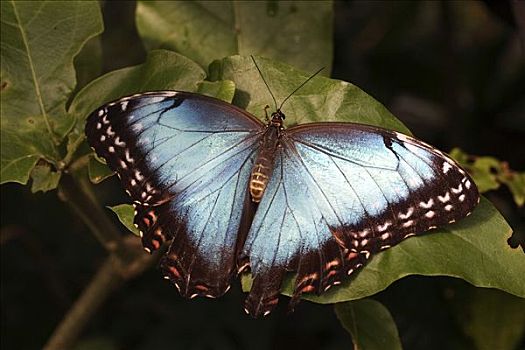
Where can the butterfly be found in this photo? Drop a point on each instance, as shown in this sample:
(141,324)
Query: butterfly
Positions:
(228,193)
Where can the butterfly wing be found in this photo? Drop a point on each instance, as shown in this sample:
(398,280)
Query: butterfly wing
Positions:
(185,160)
(339,193)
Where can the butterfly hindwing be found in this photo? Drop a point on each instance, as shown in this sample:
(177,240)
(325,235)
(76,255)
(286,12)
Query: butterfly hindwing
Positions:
(340,193)
(184,159)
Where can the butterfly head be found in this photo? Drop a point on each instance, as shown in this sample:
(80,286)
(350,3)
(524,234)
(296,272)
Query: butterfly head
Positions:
(277,118)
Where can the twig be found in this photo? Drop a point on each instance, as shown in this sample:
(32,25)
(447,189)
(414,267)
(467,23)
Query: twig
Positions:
(78,195)
(110,276)
(107,280)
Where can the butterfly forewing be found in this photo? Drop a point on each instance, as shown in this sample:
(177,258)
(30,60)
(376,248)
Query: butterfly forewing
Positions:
(340,193)
(185,160)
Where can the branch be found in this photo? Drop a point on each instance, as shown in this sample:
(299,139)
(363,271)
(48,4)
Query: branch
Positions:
(110,276)
(78,195)
(103,284)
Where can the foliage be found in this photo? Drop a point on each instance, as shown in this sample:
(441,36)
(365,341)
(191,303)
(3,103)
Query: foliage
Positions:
(43,114)
(490,173)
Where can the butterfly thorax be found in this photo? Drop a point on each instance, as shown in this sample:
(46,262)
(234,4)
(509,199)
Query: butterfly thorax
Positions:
(263,167)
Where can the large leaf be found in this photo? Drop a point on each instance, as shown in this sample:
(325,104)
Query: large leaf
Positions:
(298,32)
(370,324)
(39,42)
(321,99)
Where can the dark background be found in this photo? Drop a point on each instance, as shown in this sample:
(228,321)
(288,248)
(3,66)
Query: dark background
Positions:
(453,72)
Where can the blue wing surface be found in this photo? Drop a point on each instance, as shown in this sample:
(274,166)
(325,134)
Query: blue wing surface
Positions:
(185,160)
(339,193)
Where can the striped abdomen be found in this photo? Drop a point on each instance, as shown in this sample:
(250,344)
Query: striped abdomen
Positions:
(263,167)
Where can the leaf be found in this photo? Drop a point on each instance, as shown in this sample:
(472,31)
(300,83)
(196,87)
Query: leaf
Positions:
(88,63)
(489,173)
(223,90)
(207,30)
(490,318)
(370,324)
(516,183)
(44,178)
(39,41)
(98,171)
(125,213)
(321,99)
(474,249)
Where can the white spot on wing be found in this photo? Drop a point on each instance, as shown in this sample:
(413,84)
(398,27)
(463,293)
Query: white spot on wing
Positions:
(408,223)
(457,190)
(407,215)
(446,167)
(364,233)
(382,228)
(445,198)
(428,204)
(138,175)
(430,214)
(119,143)
(128,158)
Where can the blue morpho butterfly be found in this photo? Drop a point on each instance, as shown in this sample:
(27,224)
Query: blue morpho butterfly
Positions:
(229,192)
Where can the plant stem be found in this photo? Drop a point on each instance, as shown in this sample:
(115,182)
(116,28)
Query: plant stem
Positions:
(107,279)
(110,276)
(78,195)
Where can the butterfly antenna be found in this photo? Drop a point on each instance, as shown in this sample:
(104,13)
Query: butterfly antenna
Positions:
(300,86)
(265,83)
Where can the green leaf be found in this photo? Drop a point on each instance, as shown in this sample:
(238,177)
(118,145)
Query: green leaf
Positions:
(321,99)
(516,183)
(39,41)
(88,63)
(489,173)
(474,249)
(370,324)
(125,213)
(207,30)
(98,171)
(223,90)
(44,178)
(491,319)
